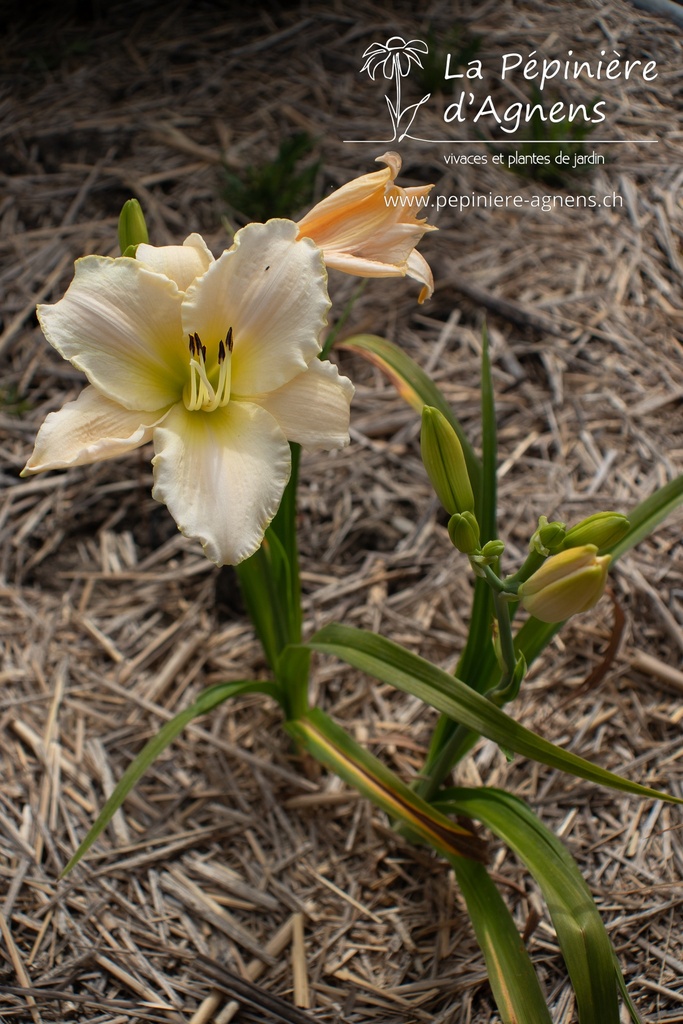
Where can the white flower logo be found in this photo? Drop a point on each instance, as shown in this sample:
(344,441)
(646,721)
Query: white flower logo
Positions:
(395,59)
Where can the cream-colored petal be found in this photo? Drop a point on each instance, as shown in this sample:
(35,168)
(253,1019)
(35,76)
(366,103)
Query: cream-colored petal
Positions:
(361,266)
(90,429)
(120,324)
(328,215)
(313,408)
(182,263)
(272,290)
(222,475)
(371,220)
(419,270)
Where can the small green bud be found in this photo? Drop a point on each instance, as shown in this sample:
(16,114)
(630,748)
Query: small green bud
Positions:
(463,529)
(490,552)
(569,582)
(444,461)
(602,529)
(493,549)
(548,537)
(132,227)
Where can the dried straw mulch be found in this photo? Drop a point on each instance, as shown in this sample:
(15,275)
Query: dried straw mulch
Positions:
(236,874)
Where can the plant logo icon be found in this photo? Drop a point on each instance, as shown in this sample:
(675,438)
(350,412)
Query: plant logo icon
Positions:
(394,59)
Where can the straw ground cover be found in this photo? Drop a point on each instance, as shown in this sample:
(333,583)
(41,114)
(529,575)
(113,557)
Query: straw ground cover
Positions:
(234,859)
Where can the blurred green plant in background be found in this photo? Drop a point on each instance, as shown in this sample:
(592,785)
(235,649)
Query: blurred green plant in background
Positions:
(276,187)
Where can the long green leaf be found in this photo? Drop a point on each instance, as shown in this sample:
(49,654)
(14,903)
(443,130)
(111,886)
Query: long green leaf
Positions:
(489,486)
(648,514)
(293,677)
(266,582)
(284,526)
(207,700)
(260,597)
(332,746)
(393,664)
(478,657)
(513,980)
(413,384)
(582,936)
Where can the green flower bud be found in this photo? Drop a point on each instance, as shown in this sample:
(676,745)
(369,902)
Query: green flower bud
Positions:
(566,584)
(548,537)
(490,552)
(602,529)
(463,529)
(132,227)
(493,549)
(444,461)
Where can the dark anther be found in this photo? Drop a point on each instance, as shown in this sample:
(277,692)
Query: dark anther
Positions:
(200,348)
(221,351)
(192,348)
(228,339)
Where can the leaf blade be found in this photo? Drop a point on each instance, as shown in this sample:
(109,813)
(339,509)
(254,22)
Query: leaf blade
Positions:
(511,974)
(393,664)
(207,700)
(585,944)
(417,389)
(332,746)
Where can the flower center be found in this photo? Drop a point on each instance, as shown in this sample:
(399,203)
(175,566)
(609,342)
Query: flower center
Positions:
(204,390)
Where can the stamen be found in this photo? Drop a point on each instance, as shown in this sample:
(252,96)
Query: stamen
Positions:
(193,386)
(200,393)
(224,373)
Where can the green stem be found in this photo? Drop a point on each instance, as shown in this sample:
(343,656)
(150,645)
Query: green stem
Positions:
(531,563)
(459,740)
(455,745)
(507,646)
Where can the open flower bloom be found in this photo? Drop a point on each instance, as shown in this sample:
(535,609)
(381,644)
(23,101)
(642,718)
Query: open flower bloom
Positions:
(215,361)
(369,227)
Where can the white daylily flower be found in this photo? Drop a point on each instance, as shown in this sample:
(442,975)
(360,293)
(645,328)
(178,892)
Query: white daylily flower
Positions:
(214,361)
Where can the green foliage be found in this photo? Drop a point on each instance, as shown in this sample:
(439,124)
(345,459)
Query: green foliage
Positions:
(13,402)
(204,703)
(584,942)
(393,664)
(276,188)
(511,974)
